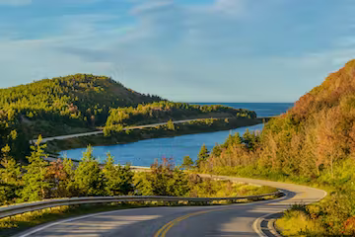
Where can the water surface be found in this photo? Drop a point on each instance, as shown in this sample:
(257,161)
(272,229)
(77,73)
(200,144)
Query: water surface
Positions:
(143,153)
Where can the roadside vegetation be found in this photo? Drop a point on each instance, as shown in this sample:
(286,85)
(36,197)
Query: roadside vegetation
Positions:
(313,144)
(41,180)
(64,178)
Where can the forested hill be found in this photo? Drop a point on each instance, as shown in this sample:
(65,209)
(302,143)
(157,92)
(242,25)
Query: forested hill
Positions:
(62,105)
(314,142)
(78,100)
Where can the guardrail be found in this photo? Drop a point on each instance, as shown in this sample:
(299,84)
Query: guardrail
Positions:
(35,206)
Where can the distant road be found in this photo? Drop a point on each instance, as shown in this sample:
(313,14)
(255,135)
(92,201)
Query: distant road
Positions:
(193,221)
(44,140)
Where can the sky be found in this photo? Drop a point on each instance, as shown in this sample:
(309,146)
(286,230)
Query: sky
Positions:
(182,50)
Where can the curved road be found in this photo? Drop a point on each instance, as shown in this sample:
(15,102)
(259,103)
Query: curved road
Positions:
(225,220)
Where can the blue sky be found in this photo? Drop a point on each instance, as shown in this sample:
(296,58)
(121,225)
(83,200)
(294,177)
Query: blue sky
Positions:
(183,50)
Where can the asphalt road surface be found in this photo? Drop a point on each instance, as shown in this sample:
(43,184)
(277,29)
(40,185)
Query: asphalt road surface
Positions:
(224,220)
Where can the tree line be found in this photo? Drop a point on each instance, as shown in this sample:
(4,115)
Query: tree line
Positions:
(165,110)
(62,178)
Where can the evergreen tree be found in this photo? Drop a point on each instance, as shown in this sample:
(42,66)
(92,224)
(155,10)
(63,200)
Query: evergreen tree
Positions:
(187,163)
(232,140)
(11,171)
(35,183)
(10,174)
(250,139)
(69,182)
(119,180)
(217,150)
(202,156)
(89,178)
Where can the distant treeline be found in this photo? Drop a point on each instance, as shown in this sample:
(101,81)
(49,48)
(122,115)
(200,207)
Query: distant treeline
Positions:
(165,110)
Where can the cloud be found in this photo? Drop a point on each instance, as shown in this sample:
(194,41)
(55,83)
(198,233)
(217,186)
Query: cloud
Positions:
(230,7)
(15,2)
(150,6)
(179,51)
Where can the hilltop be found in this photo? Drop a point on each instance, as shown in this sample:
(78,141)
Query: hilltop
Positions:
(79,100)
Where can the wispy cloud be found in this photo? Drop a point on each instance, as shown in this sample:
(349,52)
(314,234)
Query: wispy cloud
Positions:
(203,51)
(15,2)
(151,6)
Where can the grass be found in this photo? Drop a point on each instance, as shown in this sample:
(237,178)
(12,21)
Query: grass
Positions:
(298,221)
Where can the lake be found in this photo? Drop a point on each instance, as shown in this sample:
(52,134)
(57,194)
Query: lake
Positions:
(143,153)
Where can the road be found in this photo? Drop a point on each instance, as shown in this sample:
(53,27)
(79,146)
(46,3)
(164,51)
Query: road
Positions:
(194,221)
(44,140)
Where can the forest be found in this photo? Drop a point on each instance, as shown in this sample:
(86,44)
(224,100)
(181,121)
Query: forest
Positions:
(314,144)
(63,105)
(164,110)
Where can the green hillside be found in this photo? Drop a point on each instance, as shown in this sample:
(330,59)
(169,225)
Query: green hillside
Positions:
(62,105)
(164,110)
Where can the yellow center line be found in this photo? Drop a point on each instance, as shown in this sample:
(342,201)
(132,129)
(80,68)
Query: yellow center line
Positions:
(162,232)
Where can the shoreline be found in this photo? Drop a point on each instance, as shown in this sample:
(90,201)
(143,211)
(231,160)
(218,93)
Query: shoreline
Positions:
(121,137)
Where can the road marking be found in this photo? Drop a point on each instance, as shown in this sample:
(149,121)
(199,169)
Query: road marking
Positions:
(164,230)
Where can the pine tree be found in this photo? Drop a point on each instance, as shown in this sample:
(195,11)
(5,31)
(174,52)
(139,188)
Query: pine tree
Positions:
(232,140)
(202,156)
(89,178)
(119,180)
(187,163)
(10,174)
(217,150)
(69,183)
(35,183)
(250,139)
(11,171)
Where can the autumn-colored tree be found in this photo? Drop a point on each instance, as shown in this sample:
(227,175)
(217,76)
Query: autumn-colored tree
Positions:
(57,177)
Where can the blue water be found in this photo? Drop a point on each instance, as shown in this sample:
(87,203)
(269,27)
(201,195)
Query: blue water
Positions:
(143,153)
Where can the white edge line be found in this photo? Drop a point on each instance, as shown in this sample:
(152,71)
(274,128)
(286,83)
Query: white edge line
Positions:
(63,221)
(257,222)
(35,230)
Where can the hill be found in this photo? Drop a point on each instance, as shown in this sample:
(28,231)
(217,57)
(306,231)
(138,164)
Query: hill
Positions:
(313,143)
(62,105)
